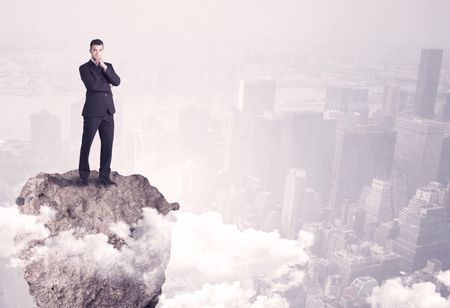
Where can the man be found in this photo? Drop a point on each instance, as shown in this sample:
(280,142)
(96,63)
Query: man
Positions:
(98,111)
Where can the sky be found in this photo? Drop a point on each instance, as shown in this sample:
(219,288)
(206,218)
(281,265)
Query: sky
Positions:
(136,30)
(138,25)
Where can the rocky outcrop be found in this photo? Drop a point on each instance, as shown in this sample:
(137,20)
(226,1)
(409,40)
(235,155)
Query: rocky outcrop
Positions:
(108,246)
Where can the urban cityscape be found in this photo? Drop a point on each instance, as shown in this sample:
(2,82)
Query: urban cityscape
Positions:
(350,146)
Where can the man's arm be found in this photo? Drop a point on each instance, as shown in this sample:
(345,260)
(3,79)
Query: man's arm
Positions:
(92,83)
(113,78)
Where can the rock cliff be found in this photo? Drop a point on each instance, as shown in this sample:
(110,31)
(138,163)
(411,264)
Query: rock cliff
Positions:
(107,246)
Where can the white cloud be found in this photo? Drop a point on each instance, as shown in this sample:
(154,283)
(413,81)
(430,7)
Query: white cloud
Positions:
(392,294)
(144,256)
(15,225)
(208,255)
(211,263)
(224,295)
(444,277)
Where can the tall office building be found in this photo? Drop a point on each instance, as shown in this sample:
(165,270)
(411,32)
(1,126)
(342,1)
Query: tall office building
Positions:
(424,230)
(256,96)
(333,286)
(427,82)
(340,240)
(385,232)
(307,142)
(356,294)
(238,138)
(355,219)
(364,261)
(264,147)
(45,133)
(76,121)
(378,202)
(444,114)
(417,150)
(326,234)
(395,100)
(347,100)
(444,162)
(362,152)
(294,198)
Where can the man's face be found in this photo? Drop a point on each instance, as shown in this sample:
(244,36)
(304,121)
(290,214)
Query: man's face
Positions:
(96,51)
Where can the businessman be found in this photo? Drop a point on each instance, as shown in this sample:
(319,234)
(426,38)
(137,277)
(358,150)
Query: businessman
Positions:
(98,110)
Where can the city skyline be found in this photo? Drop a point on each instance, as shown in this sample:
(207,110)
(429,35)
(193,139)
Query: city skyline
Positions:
(310,155)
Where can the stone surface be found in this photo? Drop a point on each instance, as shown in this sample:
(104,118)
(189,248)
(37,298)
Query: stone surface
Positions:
(108,246)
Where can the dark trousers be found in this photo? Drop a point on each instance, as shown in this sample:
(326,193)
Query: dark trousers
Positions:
(105,127)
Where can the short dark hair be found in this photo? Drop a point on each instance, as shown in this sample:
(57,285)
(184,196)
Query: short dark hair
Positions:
(96,42)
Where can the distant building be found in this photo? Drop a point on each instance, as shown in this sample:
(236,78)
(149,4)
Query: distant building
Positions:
(367,260)
(264,151)
(444,162)
(307,142)
(378,203)
(418,150)
(256,96)
(294,197)
(444,114)
(427,82)
(357,293)
(395,100)
(347,100)
(424,230)
(362,152)
(356,218)
(45,133)
(333,286)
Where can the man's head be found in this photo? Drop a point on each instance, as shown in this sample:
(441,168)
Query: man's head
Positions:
(96,49)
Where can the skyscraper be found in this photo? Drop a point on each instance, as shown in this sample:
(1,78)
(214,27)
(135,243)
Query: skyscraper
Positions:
(347,99)
(294,196)
(444,114)
(427,82)
(362,152)
(45,133)
(417,150)
(256,96)
(424,229)
(378,202)
(395,100)
(264,146)
(307,142)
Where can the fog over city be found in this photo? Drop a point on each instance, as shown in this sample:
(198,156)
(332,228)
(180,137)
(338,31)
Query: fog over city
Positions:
(307,142)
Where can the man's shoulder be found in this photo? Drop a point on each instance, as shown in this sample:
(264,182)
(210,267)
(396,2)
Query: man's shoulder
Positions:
(84,65)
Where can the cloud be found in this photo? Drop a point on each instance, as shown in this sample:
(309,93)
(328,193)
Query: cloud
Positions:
(211,263)
(144,256)
(393,294)
(224,295)
(15,225)
(210,258)
(444,277)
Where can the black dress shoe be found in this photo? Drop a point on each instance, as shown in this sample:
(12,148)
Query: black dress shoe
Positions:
(107,181)
(83,182)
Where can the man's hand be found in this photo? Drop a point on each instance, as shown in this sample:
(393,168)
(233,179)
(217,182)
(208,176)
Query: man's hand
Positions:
(102,64)
(110,74)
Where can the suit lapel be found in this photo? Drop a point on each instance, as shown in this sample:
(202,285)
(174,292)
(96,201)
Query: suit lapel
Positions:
(95,68)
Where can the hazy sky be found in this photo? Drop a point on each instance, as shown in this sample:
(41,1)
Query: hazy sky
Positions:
(137,30)
(300,22)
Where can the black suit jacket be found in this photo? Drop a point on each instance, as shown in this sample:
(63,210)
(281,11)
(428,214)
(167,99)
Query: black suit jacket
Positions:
(99,98)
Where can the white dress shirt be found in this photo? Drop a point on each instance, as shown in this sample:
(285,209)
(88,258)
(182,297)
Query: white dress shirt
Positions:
(96,64)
